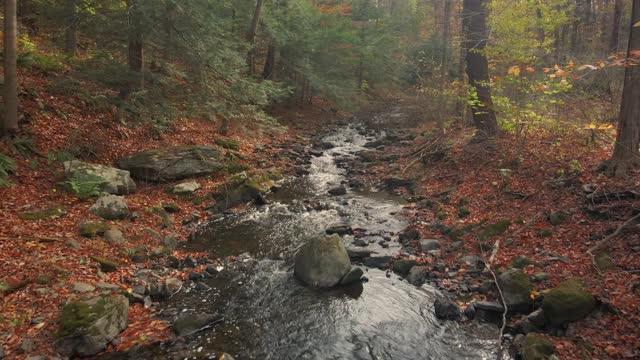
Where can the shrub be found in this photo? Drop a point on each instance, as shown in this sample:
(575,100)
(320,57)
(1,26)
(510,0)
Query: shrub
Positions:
(85,185)
(7,165)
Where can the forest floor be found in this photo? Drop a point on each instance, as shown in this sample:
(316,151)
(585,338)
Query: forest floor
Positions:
(522,181)
(461,184)
(41,259)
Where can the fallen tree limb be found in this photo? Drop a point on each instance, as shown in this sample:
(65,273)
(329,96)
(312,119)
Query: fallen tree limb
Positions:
(607,239)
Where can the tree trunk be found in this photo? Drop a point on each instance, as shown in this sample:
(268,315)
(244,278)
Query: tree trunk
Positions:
(268,73)
(251,37)
(615,26)
(135,56)
(475,37)
(626,153)
(71,30)
(10,123)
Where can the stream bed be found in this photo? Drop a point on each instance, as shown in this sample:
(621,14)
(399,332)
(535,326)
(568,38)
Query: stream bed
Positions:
(268,314)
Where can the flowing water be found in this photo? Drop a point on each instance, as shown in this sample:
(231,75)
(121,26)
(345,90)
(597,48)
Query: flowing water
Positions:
(269,315)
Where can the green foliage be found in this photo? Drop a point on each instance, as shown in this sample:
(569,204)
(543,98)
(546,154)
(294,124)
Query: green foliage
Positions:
(24,147)
(7,166)
(29,56)
(85,185)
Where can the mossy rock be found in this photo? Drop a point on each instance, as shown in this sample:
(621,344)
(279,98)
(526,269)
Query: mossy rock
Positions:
(558,217)
(403,266)
(171,208)
(463,212)
(42,214)
(495,229)
(44,279)
(521,262)
(516,289)
(235,167)
(569,301)
(464,201)
(91,229)
(243,187)
(106,265)
(604,262)
(86,326)
(546,232)
(536,347)
(228,144)
(441,215)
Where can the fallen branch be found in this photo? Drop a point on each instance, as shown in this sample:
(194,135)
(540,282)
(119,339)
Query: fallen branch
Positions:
(487,265)
(604,241)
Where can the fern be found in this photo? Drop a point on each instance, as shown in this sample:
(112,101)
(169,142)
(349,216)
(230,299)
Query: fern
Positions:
(85,185)
(7,165)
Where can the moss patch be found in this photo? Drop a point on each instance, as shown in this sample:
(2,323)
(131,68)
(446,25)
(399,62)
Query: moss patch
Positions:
(90,229)
(228,144)
(567,302)
(42,214)
(494,229)
(536,347)
(106,265)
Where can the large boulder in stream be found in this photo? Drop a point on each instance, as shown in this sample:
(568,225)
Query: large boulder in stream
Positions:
(322,262)
(243,188)
(88,325)
(173,163)
(116,181)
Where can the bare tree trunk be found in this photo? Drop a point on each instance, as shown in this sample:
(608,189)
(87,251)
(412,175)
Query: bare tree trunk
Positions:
(71,30)
(268,73)
(615,26)
(10,123)
(476,35)
(136,45)
(251,37)
(626,153)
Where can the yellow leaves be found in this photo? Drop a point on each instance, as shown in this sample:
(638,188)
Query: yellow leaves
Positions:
(601,64)
(531,70)
(561,73)
(533,294)
(514,70)
(637,24)
(593,126)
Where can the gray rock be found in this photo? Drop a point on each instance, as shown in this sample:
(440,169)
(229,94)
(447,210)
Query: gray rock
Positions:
(558,217)
(338,191)
(173,285)
(537,318)
(87,326)
(418,275)
(200,286)
(473,261)
(354,275)
(73,243)
(118,182)
(172,163)
(340,230)
(446,309)
(489,306)
(189,324)
(113,236)
(516,289)
(403,266)
(470,311)
(378,262)
(429,244)
(111,207)
(80,287)
(322,262)
(106,286)
(27,346)
(456,245)
(185,188)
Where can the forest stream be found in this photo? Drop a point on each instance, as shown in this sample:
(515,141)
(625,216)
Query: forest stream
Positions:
(268,314)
